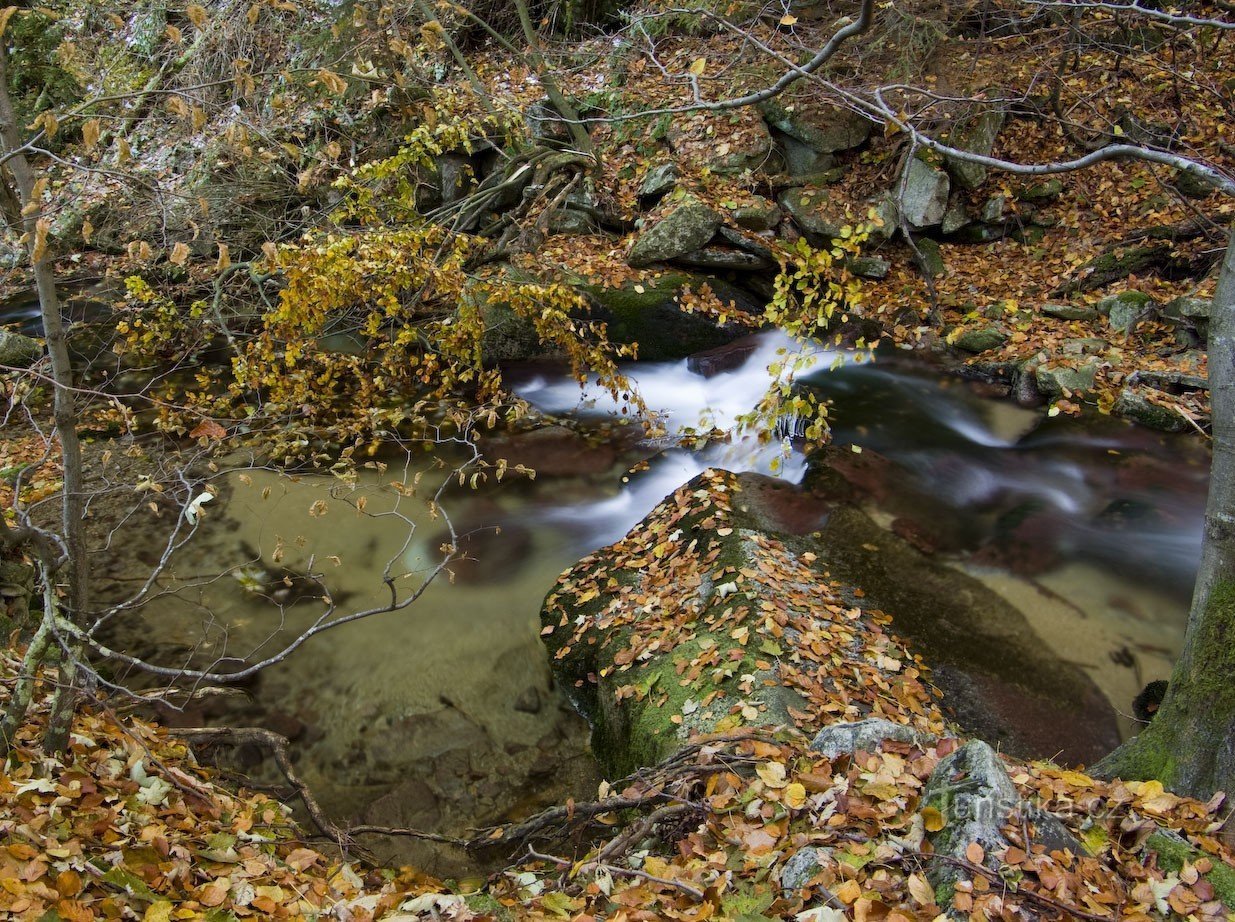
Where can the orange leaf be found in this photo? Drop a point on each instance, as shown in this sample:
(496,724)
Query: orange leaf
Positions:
(208,429)
(974,852)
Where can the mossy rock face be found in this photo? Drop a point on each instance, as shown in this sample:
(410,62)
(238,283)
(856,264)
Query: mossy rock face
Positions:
(977,136)
(18,351)
(707,618)
(687,226)
(1060,380)
(813,212)
(1133,405)
(981,340)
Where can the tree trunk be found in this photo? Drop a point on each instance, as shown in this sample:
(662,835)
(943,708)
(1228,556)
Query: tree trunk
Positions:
(74,571)
(1190,745)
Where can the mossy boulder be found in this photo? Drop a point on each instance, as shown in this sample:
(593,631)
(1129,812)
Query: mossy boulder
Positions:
(686,226)
(1055,380)
(1133,405)
(821,127)
(924,200)
(983,339)
(976,136)
(815,214)
(18,351)
(706,618)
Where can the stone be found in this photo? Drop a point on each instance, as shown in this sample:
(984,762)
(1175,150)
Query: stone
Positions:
(1042,192)
(981,340)
(686,226)
(976,136)
(1063,380)
(1135,299)
(454,177)
(980,233)
(869,267)
(1085,345)
(760,215)
(1173,382)
(18,351)
(802,159)
(813,213)
(993,208)
(954,218)
(798,871)
(1190,313)
(750,243)
(1133,405)
(837,740)
(658,182)
(885,217)
(1069,312)
(723,259)
(1194,185)
(735,142)
(930,262)
(571,221)
(925,197)
(820,126)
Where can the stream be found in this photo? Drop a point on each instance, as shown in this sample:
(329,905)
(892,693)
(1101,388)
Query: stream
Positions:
(444,716)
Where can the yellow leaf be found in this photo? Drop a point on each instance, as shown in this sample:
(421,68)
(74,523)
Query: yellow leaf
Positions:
(87,230)
(198,114)
(772,773)
(225,258)
(1077,779)
(197,15)
(158,912)
(698,66)
(180,254)
(933,820)
(124,153)
(41,229)
(794,796)
(254,12)
(174,35)
(90,133)
(49,123)
(788,20)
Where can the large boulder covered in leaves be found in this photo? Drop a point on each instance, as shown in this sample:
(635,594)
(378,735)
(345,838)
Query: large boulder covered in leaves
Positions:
(686,225)
(705,618)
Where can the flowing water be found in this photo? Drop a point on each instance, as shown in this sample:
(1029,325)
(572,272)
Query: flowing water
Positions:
(444,715)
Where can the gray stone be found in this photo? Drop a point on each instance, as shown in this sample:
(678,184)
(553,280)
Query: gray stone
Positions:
(1137,299)
(1193,185)
(976,137)
(454,177)
(1125,315)
(18,351)
(1136,407)
(813,213)
(981,340)
(925,198)
(1190,313)
(659,181)
(1170,381)
(863,736)
(980,233)
(723,259)
(993,209)
(802,159)
(1060,380)
(887,215)
(1069,312)
(1043,192)
(826,129)
(870,267)
(687,226)
(1087,345)
(748,242)
(954,218)
(931,259)
(797,872)
(571,221)
(762,215)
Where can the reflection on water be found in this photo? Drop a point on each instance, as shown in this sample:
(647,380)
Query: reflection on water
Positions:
(443,715)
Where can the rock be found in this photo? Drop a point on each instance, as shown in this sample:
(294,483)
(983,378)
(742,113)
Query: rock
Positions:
(545,123)
(1193,185)
(813,212)
(454,177)
(749,242)
(954,218)
(993,209)
(1191,313)
(713,362)
(798,871)
(885,217)
(648,312)
(659,182)
(1134,299)
(981,340)
(552,451)
(1065,380)
(571,221)
(1173,382)
(1124,312)
(1042,192)
(723,259)
(1133,405)
(735,142)
(820,126)
(686,226)
(976,136)
(869,267)
(1115,265)
(1069,312)
(930,262)
(802,159)
(18,351)
(1086,345)
(925,197)
(864,736)
(761,215)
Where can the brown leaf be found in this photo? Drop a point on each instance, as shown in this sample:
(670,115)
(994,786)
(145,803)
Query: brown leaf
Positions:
(974,852)
(208,429)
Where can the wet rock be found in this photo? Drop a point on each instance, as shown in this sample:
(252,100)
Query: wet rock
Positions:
(552,451)
(821,127)
(686,226)
(925,197)
(1172,382)
(529,701)
(976,136)
(1191,313)
(981,340)
(1069,312)
(1193,185)
(812,211)
(713,362)
(994,208)
(18,351)
(1132,404)
(864,736)
(1025,540)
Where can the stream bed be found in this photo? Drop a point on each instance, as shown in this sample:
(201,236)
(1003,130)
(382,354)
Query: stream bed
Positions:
(444,716)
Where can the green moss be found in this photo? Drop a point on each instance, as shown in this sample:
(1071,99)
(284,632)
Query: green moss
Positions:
(747,904)
(483,903)
(944,893)
(1174,852)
